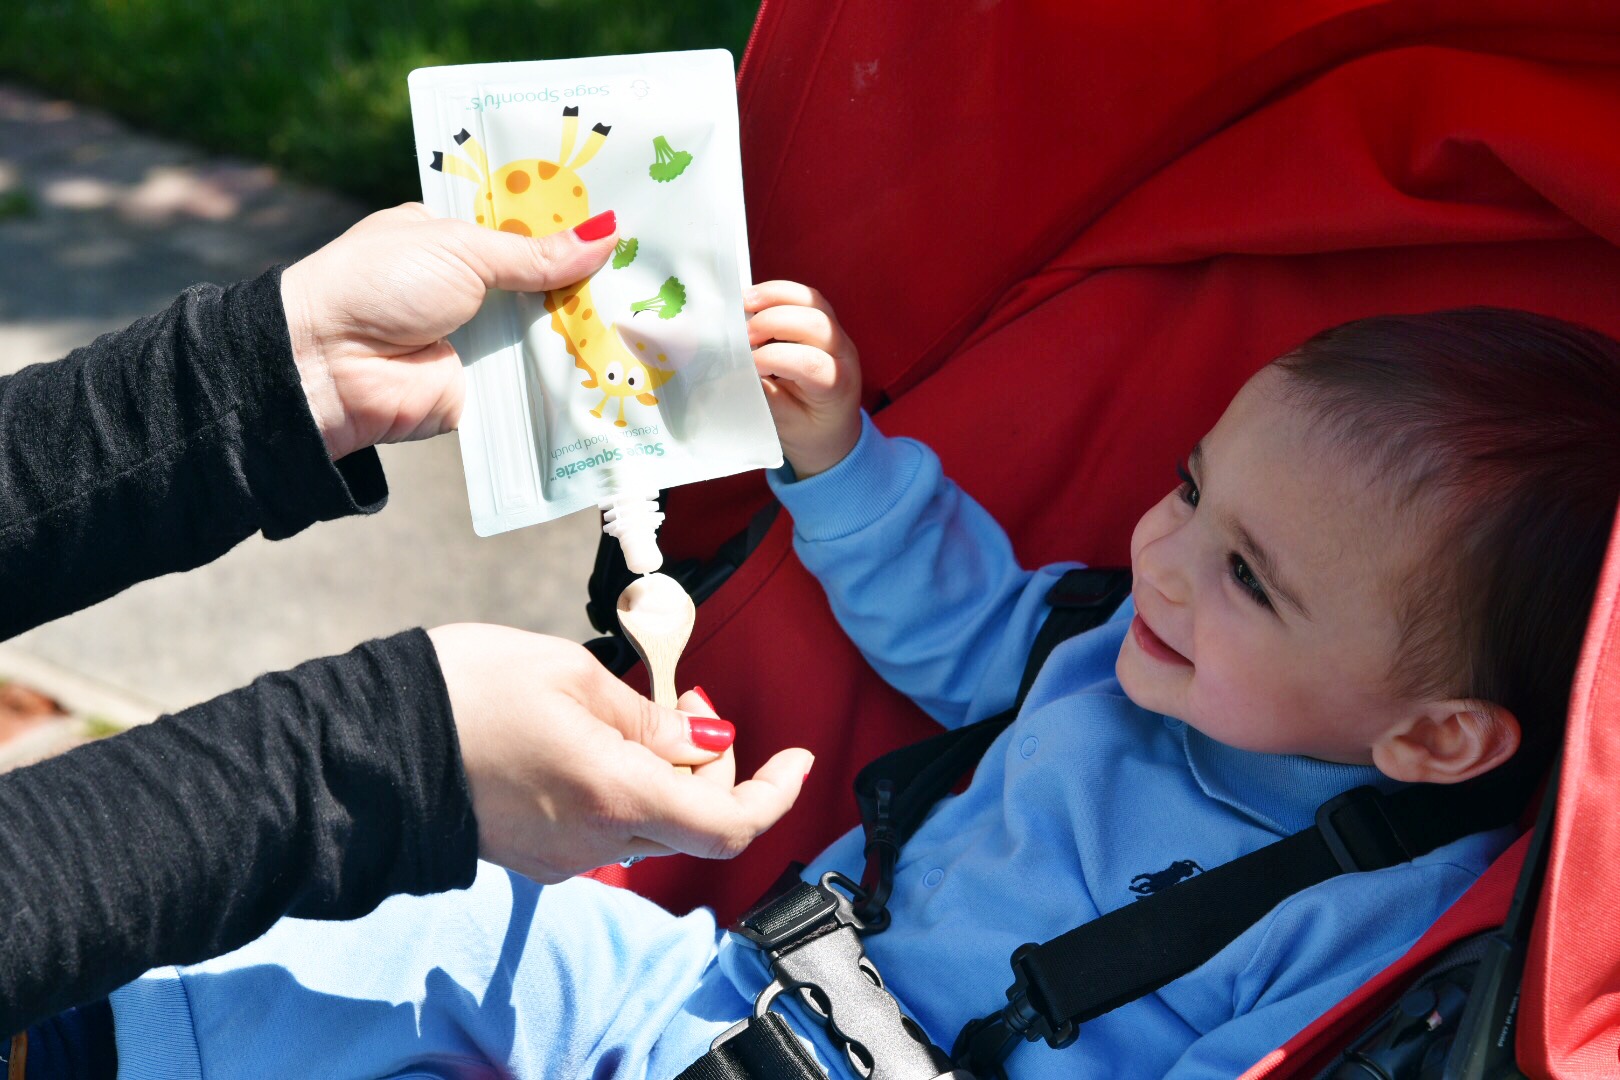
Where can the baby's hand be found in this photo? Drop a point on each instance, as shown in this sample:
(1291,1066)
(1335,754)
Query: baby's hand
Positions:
(811,372)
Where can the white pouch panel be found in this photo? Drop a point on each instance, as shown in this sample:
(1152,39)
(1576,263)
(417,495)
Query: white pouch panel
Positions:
(641,377)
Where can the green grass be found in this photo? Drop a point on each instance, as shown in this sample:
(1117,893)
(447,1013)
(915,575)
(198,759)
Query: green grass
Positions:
(15,204)
(99,727)
(318,88)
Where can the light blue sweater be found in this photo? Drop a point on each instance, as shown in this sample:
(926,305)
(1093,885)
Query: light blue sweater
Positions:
(1080,798)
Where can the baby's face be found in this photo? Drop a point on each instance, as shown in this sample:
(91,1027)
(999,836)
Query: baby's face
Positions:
(1265,589)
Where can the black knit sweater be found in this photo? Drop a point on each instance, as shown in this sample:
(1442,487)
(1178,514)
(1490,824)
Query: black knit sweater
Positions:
(315,792)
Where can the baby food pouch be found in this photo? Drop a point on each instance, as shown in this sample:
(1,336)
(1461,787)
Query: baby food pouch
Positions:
(640,378)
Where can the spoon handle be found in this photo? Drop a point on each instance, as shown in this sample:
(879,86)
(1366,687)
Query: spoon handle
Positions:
(660,656)
(661,670)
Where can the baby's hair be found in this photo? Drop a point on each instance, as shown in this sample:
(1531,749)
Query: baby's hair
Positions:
(1500,429)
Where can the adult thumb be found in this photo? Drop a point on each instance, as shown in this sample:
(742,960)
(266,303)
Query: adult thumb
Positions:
(507,260)
(689,734)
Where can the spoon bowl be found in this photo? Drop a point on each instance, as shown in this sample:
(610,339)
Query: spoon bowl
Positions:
(657,616)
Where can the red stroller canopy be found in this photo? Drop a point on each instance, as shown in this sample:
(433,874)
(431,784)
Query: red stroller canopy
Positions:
(1063,233)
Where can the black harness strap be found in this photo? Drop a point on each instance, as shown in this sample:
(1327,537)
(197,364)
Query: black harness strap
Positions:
(766,1047)
(1134,950)
(896,791)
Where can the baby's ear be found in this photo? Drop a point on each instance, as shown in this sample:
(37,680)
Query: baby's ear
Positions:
(1447,742)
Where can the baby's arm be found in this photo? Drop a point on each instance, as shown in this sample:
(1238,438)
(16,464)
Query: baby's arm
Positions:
(922,579)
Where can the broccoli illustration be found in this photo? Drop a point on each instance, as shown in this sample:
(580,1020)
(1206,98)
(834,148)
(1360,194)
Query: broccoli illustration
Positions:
(668,303)
(624,252)
(670,163)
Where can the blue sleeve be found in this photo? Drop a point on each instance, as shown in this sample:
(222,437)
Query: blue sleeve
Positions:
(919,575)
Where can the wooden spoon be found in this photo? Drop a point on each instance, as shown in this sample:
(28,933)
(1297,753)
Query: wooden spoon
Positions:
(657,617)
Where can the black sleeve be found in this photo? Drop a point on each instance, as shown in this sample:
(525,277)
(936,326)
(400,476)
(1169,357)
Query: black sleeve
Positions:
(315,792)
(158,448)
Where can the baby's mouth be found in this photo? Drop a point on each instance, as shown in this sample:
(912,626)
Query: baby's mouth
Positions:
(1154,645)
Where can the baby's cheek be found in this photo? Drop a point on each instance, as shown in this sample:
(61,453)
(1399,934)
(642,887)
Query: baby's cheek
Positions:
(1244,701)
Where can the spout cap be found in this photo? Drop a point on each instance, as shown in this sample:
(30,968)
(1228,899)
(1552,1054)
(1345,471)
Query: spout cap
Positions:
(641,552)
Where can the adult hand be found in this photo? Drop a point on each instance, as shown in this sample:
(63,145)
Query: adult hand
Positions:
(369,312)
(570,769)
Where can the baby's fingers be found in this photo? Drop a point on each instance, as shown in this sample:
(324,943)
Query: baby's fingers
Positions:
(773,293)
(808,368)
(804,325)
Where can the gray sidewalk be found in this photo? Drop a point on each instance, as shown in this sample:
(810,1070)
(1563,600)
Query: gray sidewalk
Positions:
(100,225)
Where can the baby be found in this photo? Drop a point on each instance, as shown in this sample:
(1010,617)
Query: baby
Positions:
(1374,569)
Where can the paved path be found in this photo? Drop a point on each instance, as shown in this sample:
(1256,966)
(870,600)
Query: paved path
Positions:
(114,224)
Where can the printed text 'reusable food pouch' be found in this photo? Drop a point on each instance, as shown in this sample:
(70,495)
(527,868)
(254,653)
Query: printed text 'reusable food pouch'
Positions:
(640,378)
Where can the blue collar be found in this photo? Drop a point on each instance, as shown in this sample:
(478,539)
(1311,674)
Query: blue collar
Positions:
(1280,792)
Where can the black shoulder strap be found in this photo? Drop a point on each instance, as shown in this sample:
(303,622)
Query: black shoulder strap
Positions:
(763,1047)
(1134,950)
(896,791)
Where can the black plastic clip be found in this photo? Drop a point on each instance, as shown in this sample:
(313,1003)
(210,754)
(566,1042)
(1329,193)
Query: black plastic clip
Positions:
(882,854)
(986,1043)
(1359,832)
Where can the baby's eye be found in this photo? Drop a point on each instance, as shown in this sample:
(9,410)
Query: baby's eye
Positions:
(1188,490)
(1245,577)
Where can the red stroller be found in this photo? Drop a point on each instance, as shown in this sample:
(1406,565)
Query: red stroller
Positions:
(1094,221)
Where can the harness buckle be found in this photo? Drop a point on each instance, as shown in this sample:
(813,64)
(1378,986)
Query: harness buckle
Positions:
(985,1044)
(762,1005)
(810,937)
(792,916)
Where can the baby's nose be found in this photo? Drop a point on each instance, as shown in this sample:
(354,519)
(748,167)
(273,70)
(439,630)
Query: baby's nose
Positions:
(1160,566)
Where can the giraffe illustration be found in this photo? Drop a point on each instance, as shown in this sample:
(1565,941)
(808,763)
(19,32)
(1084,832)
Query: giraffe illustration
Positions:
(532,197)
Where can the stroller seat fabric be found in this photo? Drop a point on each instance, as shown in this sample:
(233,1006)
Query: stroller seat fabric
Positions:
(1063,233)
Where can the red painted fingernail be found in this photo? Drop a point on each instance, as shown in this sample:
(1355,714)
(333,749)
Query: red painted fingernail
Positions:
(595,228)
(710,733)
(698,690)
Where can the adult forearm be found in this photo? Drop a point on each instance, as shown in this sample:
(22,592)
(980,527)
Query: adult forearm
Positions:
(316,792)
(158,448)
